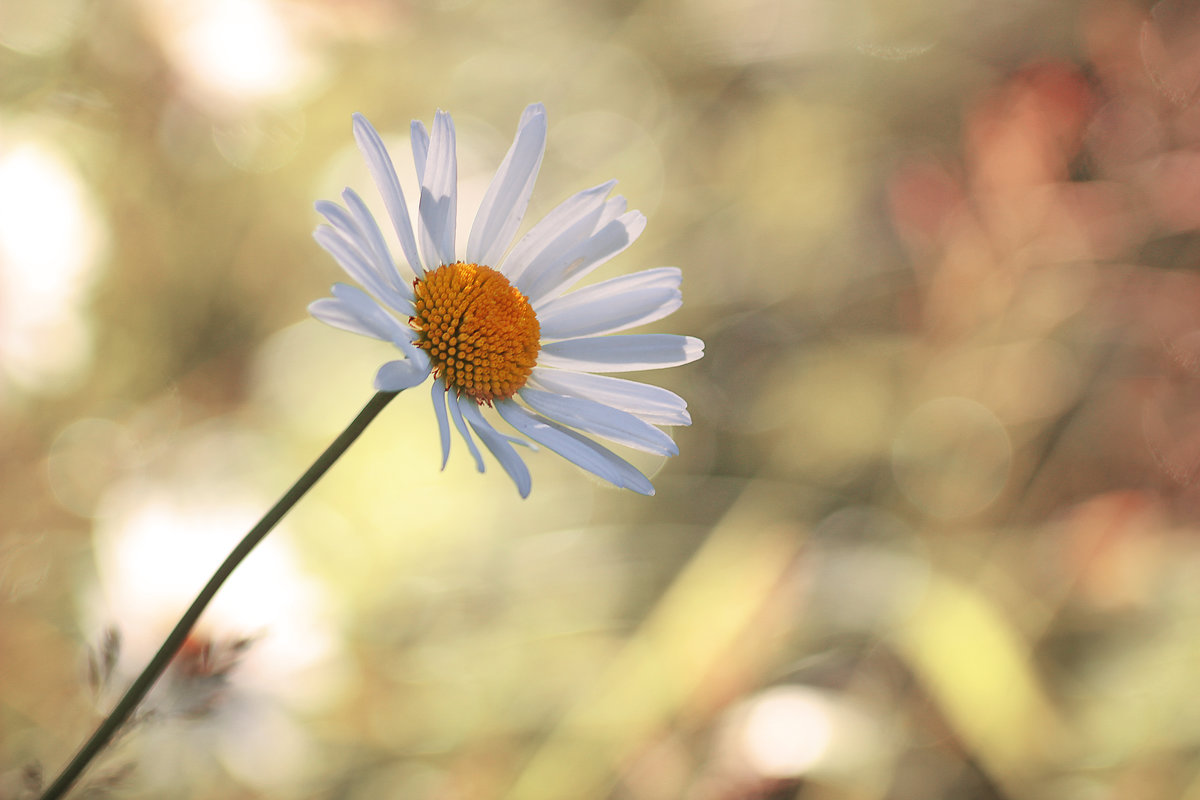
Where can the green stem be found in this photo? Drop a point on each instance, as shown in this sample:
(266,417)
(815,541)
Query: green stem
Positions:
(154,670)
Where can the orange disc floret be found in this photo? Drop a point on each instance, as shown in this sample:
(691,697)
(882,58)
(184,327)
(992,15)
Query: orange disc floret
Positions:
(479,330)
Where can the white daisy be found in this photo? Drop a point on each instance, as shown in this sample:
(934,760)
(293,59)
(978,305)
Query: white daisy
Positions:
(497,324)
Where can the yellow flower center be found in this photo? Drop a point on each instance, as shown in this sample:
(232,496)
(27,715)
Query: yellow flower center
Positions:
(480,332)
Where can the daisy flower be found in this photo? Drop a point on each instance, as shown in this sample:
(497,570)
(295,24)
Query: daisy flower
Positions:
(497,325)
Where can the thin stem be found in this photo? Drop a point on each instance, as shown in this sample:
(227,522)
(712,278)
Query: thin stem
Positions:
(154,670)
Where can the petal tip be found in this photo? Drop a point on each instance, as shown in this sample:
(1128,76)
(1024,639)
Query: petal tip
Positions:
(535,116)
(524,488)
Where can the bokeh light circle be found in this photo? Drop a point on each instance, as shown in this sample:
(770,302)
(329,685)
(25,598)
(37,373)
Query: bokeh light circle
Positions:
(951,457)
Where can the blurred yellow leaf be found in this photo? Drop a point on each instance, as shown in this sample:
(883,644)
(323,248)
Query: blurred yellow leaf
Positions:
(977,668)
(692,630)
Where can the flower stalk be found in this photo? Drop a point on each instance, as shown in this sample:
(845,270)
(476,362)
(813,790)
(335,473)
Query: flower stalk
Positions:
(141,686)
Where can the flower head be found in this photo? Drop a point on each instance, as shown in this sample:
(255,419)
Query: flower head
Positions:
(497,325)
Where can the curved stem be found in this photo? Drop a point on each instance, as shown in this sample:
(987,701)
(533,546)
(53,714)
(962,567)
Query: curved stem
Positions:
(154,670)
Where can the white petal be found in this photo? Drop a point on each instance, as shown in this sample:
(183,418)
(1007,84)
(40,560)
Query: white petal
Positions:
(355,263)
(457,416)
(340,219)
(334,312)
(584,257)
(373,255)
(575,448)
(601,420)
(370,238)
(372,315)
(507,197)
(395,376)
(437,209)
(569,223)
(613,208)
(652,404)
(383,171)
(373,238)
(420,147)
(498,443)
(621,353)
(612,305)
(439,410)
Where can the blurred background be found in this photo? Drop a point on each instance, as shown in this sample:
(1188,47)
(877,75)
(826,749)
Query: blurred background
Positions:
(934,530)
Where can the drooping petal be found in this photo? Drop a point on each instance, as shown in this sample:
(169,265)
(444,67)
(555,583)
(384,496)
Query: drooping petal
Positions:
(577,449)
(438,207)
(383,171)
(457,415)
(373,238)
(625,353)
(584,257)
(507,197)
(396,376)
(601,420)
(612,305)
(569,223)
(439,410)
(499,446)
(649,403)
